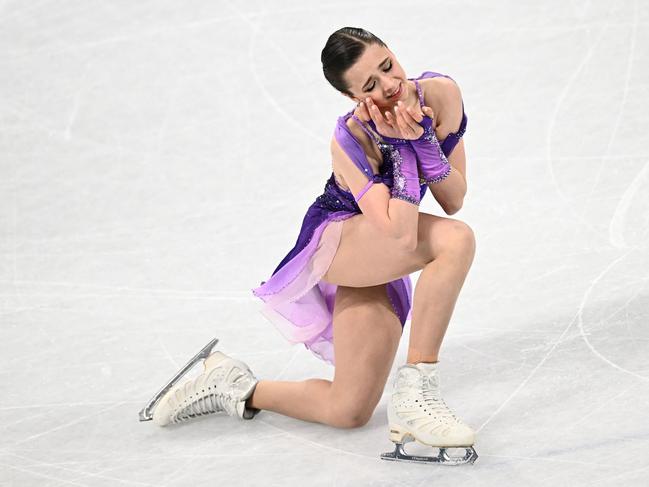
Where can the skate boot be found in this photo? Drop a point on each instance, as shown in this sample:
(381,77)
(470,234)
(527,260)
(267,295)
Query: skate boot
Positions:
(417,412)
(223,386)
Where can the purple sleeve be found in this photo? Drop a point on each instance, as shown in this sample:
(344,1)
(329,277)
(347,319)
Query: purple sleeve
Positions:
(352,148)
(355,152)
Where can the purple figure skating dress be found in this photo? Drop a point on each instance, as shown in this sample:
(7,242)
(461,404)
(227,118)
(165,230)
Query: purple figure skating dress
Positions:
(295,298)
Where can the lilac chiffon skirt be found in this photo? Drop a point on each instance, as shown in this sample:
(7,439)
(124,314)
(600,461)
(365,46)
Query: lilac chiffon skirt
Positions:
(300,304)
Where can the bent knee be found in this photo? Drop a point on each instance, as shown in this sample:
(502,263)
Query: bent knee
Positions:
(345,415)
(466,234)
(460,236)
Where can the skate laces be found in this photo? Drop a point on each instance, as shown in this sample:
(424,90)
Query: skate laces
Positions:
(208,402)
(430,392)
(433,398)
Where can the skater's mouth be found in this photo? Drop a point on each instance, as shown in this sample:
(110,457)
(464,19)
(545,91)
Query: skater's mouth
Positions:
(396,94)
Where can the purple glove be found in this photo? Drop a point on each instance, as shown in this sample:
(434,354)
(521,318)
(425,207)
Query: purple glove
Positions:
(433,164)
(405,184)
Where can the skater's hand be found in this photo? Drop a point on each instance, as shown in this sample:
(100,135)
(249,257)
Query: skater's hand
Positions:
(407,122)
(362,113)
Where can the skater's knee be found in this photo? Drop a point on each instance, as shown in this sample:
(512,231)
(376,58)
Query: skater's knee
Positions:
(347,416)
(350,421)
(461,237)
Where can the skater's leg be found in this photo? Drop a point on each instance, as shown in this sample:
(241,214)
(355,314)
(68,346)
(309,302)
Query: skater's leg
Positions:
(365,258)
(366,337)
(306,400)
(444,252)
(436,293)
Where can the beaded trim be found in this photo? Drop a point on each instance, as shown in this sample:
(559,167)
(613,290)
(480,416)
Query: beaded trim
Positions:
(400,181)
(430,138)
(419,93)
(460,133)
(405,197)
(439,178)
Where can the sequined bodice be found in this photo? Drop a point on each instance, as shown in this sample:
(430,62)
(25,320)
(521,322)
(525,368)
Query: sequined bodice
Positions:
(335,198)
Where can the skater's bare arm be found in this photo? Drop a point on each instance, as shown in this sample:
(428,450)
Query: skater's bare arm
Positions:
(394,217)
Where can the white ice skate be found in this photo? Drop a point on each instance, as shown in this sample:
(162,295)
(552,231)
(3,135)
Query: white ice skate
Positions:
(224,385)
(417,412)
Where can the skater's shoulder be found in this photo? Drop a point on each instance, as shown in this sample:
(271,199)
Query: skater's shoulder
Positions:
(440,93)
(444,96)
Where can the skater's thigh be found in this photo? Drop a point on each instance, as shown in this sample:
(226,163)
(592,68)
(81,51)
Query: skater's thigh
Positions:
(367,257)
(366,337)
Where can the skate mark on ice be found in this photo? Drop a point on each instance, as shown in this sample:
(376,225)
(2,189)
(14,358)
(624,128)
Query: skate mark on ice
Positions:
(562,96)
(69,423)
(577,318)
(98,475)
(581,323)
(612,134)
(616,226)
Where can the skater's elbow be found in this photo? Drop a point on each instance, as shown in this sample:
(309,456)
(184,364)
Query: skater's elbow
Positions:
(452,209)
(452,205)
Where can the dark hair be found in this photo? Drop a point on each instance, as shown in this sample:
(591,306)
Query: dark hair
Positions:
(342,50)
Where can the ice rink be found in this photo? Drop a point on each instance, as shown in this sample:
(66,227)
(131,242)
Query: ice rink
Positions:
(157,159)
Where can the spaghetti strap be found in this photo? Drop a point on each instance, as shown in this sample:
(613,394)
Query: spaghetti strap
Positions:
(419,93)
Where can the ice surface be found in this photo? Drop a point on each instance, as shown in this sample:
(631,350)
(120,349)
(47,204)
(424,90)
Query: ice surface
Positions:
(142,151)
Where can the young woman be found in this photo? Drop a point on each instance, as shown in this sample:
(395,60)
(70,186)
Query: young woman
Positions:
(344,290)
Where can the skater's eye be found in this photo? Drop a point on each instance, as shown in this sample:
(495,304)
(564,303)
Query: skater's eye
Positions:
(388,68)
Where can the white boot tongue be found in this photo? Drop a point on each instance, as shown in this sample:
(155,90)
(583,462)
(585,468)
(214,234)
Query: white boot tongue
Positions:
(431,372)
(427,368)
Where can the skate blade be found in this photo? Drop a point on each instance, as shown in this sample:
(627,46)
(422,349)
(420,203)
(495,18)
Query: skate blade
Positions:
(443,458)
(146,413)
(400,437)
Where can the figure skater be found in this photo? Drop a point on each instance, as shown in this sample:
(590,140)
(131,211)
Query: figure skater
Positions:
(344,290)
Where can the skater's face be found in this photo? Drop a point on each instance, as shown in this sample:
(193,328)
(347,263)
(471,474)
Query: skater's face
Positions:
(377,74)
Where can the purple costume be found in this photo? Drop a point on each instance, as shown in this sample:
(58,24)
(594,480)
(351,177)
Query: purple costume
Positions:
(295,298)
